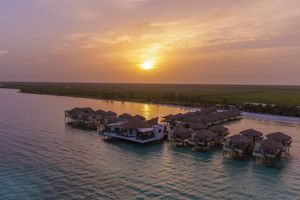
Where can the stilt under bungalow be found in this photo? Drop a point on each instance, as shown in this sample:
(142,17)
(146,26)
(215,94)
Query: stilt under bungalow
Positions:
(180,136)
(205,139)
(237,146)
(267,150)
(284,139)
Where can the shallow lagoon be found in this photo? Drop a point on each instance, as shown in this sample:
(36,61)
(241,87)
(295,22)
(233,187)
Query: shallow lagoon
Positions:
(41,158)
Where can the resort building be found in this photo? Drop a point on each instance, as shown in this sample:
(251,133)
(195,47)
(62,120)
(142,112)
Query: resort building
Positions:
(253,134)
(135,130)
(237,146)
(81,118)
(181,135)
(200,129)
(221,132)
(282,138)
(205,139)
(268,150)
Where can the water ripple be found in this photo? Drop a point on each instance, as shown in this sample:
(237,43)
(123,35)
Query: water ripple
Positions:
(43,159)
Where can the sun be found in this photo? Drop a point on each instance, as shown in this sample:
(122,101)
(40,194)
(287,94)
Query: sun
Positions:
(147,65)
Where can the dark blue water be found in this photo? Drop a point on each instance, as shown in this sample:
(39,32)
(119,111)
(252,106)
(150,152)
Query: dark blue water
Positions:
(40,158)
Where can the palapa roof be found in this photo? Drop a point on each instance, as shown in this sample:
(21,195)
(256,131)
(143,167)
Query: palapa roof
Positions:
(110,113)
(182,132)
(197,126)
(190,114)
(139,117)
(280,137)
(168,116)
(218,129)
(135,124)
(152,121)
(191,119)
(75,112)
(205,135)
(125,116)
(82,110)
(251,133)
(240,140)
(100,112)
(271,146)
(178,116)
(209,109)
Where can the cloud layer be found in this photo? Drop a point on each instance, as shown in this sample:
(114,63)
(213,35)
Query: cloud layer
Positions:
(192,41)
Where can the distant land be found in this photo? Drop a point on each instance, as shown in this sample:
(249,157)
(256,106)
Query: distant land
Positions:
(278,100)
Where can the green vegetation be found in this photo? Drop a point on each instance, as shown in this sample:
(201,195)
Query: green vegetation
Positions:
(283,100)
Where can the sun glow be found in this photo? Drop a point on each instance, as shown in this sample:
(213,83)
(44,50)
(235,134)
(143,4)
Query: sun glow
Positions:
(147,65)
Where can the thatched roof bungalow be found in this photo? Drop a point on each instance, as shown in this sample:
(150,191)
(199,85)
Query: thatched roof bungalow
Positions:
(240,141)
(109,117)
(111,114)
(138,117)
(271,148)
(220,130)
(152,121)
(168,117)
(182,133)
(85,118)
(135,124)
(125,117)
(284,139)
(205,139)
(100,112)
(238,146)
(76,113)
(253,134)
(197,126)
(268,149)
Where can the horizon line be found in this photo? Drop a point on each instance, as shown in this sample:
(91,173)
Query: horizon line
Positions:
(161,83)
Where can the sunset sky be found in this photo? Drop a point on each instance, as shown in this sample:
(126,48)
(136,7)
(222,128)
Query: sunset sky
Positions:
(152,41)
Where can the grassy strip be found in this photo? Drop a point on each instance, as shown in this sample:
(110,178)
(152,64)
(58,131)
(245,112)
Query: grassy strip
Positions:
(282,100)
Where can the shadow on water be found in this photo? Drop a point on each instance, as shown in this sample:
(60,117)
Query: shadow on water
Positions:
(137,149)
(276,166)
(188,151)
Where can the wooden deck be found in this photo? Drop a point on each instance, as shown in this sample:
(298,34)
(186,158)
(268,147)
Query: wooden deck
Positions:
(130,138)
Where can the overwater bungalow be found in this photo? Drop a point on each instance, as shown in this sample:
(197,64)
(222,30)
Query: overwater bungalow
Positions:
(173,119)
(170,122)
(181,135)
(268,150)
(105,118)
(209,109)
(138,117)
(284,139)
(205,139)
(238,146)
(220,131)
(253,134)
(100,112)
(152,121)
(81,118)
(125,117)
(208,116)
(75,113)
(196,126)
(138,131)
